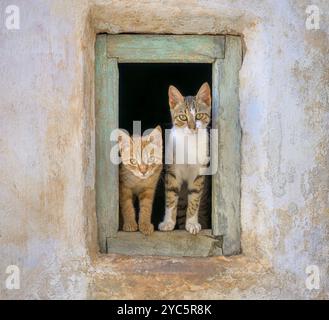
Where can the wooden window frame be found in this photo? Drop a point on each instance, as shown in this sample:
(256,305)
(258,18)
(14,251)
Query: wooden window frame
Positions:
(225,55)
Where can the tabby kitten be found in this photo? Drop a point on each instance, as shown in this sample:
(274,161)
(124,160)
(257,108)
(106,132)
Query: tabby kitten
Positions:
(138,175)
(189,114)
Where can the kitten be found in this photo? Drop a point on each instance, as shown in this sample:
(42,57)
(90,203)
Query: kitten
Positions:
(138,175)
(189,114)
(204,212)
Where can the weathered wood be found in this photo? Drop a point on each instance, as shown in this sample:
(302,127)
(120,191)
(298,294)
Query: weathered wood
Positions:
(217,229)
(178,243)
(227,180)
(111,49)
(166,48)
(106,93)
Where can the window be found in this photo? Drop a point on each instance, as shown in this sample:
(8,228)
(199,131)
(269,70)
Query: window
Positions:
(119,59)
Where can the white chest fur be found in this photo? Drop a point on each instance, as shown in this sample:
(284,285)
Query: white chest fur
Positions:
(187,152)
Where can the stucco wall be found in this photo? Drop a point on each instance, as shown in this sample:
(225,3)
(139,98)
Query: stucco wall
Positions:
(47,206)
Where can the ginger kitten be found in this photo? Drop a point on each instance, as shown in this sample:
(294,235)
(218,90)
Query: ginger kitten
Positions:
(189,115)
(138,175)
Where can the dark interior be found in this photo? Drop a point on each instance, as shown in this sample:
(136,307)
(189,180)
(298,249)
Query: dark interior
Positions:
(143,95)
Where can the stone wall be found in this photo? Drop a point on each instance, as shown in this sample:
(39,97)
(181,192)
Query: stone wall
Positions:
(47,160)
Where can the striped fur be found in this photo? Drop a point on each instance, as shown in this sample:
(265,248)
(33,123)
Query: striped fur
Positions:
(138,175)
(205,204)
(187,191)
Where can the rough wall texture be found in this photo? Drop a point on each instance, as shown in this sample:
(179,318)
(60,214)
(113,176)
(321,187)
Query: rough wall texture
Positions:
(47,207)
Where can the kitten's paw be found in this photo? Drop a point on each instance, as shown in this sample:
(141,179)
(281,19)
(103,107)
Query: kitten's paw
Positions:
(166,226)
(130,226)
(146,228)
(193,227)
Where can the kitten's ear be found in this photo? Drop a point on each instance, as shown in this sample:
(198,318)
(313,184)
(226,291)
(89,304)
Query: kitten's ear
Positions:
(123,140)
(175,96)
(204,94)
(156,136)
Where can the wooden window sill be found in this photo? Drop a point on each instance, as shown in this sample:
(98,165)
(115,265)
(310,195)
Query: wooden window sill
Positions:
(178,243)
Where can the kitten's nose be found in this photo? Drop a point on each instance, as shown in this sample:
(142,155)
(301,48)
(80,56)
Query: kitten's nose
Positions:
(191,125)
(143,168)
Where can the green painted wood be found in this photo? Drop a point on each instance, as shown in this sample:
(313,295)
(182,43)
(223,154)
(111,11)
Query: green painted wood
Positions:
(178,243)
(217,229)
(227,180)
(166,48)
(106,107)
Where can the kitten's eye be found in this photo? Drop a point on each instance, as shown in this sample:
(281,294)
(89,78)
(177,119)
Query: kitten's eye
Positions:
(151,159)
(199,116)
(133,162)
(182,117)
